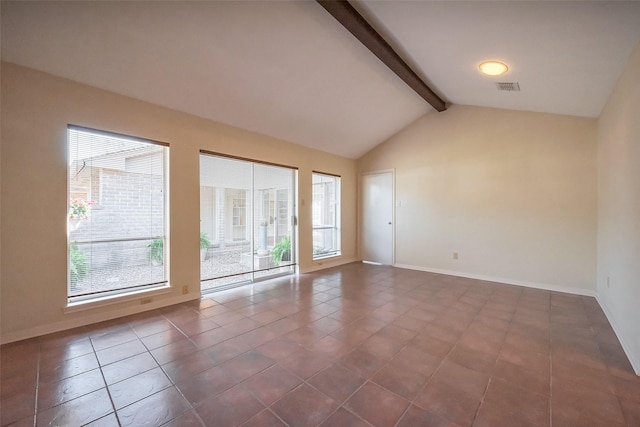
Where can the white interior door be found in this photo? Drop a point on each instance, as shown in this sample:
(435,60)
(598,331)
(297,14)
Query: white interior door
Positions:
(377,218)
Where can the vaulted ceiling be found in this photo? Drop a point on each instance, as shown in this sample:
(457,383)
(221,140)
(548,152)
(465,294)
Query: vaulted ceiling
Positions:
(290,70)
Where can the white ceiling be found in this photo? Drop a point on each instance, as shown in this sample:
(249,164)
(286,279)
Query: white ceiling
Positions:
(566,55)
(289,70)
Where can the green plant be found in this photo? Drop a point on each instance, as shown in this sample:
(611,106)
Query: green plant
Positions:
(205,243)
(281,250)
(77,265)
(156,251)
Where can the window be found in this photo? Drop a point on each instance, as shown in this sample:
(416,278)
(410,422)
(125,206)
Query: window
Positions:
(326,215)
(116,214)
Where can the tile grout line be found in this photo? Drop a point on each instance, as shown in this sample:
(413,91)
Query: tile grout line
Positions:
(194,407)
(173,383)
(35,409)
(550,367)
(340,405)
(266,407)
(106,386)
(435,371)
(159,366)
(475,417)
(619,398)
(367,380)
(455,345)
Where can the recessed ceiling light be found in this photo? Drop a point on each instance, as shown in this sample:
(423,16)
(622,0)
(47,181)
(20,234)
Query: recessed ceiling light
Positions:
(493,68)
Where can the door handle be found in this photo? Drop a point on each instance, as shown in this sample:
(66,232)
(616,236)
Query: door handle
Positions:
(389,222)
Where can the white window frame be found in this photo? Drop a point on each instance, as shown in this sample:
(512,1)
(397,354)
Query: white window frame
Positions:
(101,298)
(335,227)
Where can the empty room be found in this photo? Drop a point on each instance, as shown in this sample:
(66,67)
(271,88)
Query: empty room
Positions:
(320,213)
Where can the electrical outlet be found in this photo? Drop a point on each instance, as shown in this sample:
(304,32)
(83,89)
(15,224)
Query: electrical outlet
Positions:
(145,301)
(455,255)
(185,290)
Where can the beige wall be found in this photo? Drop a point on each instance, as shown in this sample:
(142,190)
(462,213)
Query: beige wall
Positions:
(36,109)
(619,209)
(514,193)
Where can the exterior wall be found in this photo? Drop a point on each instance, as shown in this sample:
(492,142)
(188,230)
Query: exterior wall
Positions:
(36,109)
(122,205)
(513,193)
(619,209)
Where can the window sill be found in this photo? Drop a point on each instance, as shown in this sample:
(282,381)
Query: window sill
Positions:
(93,303)
(326,257)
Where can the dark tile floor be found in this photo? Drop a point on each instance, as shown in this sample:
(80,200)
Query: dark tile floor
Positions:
(357,345)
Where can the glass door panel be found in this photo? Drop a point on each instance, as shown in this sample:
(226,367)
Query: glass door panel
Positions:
(246,212)
(225,221)
(273,202)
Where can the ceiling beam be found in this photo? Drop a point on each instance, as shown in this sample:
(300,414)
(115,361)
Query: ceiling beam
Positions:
(368,36)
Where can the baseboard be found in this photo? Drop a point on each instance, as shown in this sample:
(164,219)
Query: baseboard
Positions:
(535,285)
(327,263)
(89,319)
(635,362)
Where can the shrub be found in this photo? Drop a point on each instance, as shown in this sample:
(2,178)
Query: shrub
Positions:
(205,243)
(156,251)
(282,250)
(78,265)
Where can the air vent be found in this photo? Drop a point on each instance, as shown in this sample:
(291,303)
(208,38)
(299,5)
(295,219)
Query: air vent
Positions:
(508,86)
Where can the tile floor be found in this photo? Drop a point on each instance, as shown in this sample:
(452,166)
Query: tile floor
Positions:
(353,346)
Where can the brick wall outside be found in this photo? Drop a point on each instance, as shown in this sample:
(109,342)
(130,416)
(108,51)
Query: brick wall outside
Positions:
(124,203)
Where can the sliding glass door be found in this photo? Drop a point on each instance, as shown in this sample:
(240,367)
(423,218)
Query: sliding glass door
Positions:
(247,212)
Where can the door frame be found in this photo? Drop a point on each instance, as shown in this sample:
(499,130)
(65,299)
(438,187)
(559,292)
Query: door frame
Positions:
(251,216)
(361,176)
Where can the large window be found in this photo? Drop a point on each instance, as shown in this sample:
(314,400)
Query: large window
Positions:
(326,215)
(116,214)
